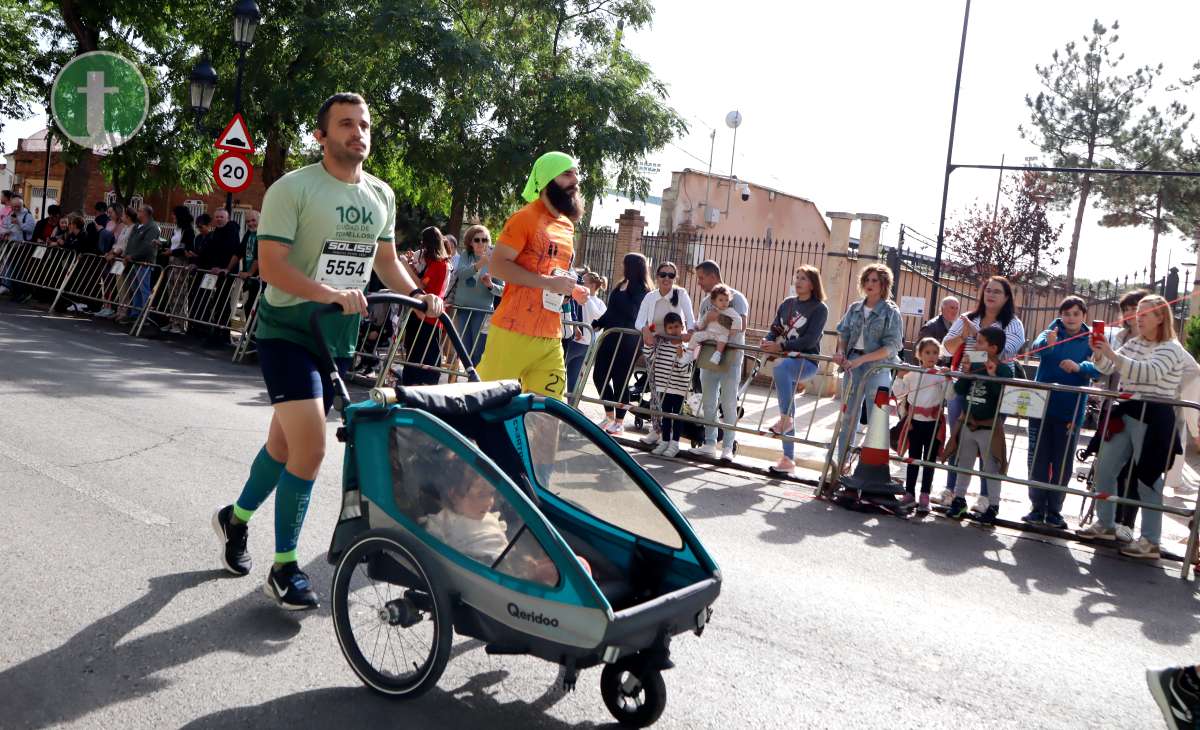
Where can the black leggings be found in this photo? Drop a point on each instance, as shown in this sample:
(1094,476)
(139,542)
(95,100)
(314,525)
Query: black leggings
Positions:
(614,368)
(421,345)
(921,445)
(671,403)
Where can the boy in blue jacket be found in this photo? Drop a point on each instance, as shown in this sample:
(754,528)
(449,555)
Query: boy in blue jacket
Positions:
(1053,437)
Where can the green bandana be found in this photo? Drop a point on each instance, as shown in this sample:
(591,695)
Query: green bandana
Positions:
(547,167)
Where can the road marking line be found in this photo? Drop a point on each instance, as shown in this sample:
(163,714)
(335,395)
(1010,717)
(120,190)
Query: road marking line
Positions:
(69,480)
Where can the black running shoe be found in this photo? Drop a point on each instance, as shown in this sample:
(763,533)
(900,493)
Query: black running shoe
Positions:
(958,509)
(987,517)
(234,556)
(290,588)
(1179,703)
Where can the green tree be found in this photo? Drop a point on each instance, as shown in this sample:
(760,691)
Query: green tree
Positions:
(1080,117)
(1156,143)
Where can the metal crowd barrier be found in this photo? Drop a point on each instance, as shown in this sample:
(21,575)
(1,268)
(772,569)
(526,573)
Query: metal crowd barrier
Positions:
(35,265)
(189,297)
(1017,407)
(106,282)
(249,307)
(810,416)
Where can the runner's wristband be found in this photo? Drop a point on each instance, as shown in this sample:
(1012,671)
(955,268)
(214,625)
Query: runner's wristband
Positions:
(417,292)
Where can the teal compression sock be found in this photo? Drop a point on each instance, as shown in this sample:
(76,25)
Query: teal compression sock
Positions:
(264,474)
(291,503)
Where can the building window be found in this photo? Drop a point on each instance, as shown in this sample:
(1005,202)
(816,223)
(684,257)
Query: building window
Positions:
(135,202)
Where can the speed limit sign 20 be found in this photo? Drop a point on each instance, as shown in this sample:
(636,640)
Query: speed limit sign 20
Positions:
(232,172)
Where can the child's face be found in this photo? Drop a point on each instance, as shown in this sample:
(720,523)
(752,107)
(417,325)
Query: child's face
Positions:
(929,355)
(476,502)
(1072,319)
(721,301)
(675,329)
(74,228)
(982,344)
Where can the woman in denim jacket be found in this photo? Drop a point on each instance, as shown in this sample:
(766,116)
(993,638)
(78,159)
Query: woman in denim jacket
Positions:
(869,332)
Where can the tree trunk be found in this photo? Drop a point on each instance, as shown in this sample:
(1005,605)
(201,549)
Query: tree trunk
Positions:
(75,184)
(1085,189)
(458,206)
(274,160)
(1154,242)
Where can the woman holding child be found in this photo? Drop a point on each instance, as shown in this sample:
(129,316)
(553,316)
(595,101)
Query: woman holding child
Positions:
(996,308)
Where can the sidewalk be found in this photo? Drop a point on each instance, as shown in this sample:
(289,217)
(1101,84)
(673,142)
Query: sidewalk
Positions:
(815,421)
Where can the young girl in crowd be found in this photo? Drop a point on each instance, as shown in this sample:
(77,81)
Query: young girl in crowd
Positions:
(672,373)
(925,394)
(577,340)
(729,321)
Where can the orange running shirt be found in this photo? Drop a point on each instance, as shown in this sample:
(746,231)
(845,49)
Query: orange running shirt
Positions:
(543,243)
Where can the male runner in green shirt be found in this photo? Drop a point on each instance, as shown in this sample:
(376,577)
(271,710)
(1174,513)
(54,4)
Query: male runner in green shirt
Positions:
(322,230)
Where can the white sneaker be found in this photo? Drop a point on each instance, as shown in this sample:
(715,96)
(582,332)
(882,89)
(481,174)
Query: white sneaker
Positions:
(5,290)
(605,424)
(982,504)
(715,359)
(616,428)
(1143,549)
(671,450)
(106,313)
(1096,531)
(662,447)
(727,450)
(651,438)
(705,449)
(946,497)
(1124,534)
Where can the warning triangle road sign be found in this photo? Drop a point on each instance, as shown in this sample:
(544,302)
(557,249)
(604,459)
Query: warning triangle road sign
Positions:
(236,137)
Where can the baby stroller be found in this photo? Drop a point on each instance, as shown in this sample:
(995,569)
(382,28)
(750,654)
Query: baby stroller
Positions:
(694,432)
(514,520)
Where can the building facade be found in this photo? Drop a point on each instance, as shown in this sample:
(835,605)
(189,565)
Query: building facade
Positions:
(714,204)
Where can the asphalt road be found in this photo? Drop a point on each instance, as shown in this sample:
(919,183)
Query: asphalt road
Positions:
(114,451)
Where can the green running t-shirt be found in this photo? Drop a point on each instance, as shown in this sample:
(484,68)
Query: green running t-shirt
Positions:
(333,229)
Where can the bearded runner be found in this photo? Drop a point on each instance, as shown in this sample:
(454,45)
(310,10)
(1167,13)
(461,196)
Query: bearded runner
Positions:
(533,257)
(323,229)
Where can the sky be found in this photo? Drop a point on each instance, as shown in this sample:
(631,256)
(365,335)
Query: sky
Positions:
(848,103)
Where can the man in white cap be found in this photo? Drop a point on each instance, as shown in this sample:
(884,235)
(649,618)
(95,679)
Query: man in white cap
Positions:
(533,257)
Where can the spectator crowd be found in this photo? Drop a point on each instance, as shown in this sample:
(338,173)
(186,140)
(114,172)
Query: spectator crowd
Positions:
(687,358)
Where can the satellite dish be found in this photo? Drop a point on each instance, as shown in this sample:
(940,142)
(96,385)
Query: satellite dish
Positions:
(733,119)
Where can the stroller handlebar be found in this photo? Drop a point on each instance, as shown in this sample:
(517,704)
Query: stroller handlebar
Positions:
(330,367)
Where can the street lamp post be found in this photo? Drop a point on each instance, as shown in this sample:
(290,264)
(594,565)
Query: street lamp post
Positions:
(203,79)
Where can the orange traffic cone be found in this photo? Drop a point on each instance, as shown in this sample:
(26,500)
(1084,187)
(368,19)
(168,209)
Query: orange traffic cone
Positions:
(872,476)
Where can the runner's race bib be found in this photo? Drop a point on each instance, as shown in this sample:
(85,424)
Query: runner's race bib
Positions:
(346,264)
(552,302)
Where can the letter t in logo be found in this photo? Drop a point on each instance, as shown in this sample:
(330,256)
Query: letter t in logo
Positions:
(95,91)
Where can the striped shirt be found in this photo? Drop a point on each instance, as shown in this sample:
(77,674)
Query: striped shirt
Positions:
(1014,335)
(1153,369)
(670,378)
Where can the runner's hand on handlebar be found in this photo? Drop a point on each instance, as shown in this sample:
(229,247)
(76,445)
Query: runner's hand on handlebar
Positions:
(352,301)
(434,306)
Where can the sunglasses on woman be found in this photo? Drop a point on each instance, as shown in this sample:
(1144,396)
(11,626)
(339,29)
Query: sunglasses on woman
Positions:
(481,239)
(666,274)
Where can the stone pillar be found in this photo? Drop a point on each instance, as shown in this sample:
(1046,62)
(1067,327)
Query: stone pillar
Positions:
(629,238)
(868,237)
(681,248)
(838,275)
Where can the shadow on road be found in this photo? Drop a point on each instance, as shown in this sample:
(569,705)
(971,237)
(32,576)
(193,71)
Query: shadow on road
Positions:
(96,668)
(1110,587)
